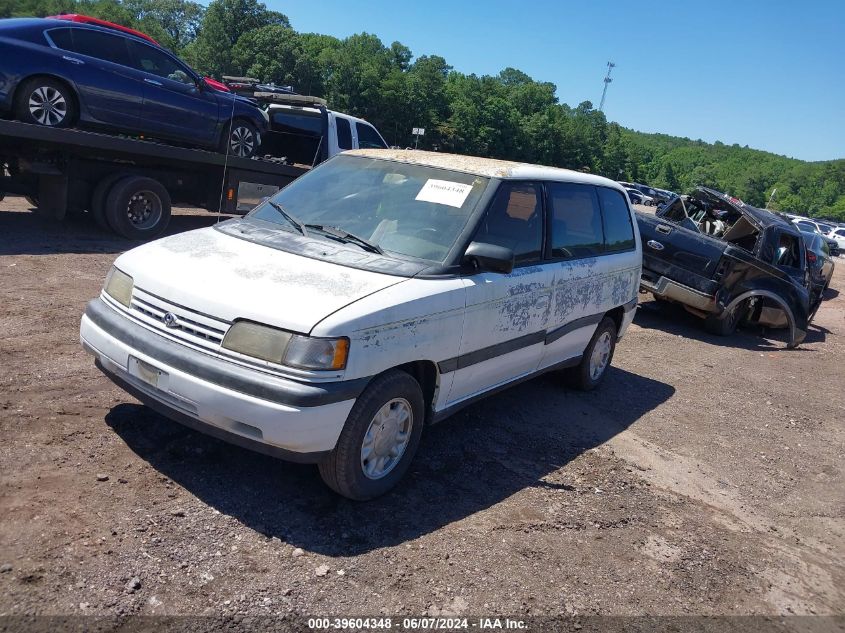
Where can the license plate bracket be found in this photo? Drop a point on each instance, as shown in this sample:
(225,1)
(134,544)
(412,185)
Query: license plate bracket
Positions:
(146,373)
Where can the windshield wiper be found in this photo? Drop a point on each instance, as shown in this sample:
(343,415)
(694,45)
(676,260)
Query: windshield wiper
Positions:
(345,236)
(287,216)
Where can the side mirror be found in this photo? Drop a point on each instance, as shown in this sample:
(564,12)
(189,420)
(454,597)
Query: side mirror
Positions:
(489,257)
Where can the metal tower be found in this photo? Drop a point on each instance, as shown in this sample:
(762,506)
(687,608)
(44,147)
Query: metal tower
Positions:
(607,80)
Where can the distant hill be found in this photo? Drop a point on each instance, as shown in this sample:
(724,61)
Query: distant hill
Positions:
(811,188)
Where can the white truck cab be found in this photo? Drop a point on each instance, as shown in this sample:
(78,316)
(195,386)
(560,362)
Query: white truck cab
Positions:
(380,292)
(302,129)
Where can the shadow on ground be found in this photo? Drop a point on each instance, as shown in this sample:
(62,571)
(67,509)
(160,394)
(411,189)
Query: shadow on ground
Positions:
(27,233)
(672,318)
(466,464)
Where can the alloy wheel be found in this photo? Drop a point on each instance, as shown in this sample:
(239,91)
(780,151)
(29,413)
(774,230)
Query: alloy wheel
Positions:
(47,106)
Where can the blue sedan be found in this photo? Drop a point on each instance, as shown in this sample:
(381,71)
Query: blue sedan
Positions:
(62,74)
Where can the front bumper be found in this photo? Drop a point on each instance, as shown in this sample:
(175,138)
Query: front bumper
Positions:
(295,421)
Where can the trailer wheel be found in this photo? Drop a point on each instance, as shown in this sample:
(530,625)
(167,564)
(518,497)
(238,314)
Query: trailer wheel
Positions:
(138,208)
(98,199)
(46,101)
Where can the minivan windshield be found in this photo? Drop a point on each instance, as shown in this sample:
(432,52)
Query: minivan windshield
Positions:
(403,209)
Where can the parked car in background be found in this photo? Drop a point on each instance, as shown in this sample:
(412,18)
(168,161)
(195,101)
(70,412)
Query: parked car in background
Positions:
(825,230)
(62,73)
(638,197)
(820,267)
(727,262)
(838,235)
(380,292)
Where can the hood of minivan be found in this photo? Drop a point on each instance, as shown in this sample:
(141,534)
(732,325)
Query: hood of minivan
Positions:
(229,278)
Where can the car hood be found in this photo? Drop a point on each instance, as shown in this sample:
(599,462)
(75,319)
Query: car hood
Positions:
(230,278)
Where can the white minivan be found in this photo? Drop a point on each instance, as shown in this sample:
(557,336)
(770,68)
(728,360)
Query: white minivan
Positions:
(380,292)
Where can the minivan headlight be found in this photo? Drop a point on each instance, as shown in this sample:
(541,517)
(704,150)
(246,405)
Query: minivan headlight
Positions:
(119,286)
(278,346)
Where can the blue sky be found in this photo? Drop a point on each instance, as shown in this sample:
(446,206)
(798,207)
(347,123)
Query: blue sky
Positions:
(770,75)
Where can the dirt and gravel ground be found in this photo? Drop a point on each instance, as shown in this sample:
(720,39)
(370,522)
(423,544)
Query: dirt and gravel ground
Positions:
(704,477)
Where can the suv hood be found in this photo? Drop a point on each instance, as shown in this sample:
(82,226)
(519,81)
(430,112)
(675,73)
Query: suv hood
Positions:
(230,278)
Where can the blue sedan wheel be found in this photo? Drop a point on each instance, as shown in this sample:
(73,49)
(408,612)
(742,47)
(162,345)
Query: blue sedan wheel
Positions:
(45,101)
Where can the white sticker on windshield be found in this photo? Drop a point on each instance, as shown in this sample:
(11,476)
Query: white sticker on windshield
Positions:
(446,192)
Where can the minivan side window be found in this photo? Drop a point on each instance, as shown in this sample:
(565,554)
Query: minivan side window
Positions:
(368,138)
(515,220)
(575,220)
(344,133)
(110,48)
(618,230)
(156,62)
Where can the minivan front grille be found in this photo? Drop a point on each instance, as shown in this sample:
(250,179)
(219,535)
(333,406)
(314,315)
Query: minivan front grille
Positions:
(178,321)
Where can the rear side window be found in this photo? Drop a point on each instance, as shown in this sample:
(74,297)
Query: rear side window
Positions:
(515,220)
(110,48)
(618,230)
(368,138)
(62,38)
(295,122)
(344,133)
(575,219)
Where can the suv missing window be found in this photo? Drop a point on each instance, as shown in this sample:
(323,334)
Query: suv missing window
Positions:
(382,291)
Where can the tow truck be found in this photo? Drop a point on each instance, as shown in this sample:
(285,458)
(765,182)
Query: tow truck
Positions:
(129,184)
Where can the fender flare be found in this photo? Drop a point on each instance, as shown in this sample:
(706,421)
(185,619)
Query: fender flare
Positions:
(796,336)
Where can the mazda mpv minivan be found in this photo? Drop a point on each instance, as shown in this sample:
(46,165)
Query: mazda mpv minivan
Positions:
(379,293)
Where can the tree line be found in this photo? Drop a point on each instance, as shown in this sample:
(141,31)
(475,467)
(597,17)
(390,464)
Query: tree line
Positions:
(509,115)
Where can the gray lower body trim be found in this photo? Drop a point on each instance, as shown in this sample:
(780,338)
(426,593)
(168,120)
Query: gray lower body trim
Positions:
(577,324)
(218,371)
(208,429)
(506,347)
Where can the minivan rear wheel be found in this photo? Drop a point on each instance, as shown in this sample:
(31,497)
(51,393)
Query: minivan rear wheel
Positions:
(595,361)
(46,101)
(379,439)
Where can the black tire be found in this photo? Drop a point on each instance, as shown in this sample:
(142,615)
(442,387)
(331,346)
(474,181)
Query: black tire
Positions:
(726,323)
(241,140)
(98,200)
(46,101)
(137,208)
(343,469)
(583,376)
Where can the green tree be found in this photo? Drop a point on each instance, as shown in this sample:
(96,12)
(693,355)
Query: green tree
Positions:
(223,24)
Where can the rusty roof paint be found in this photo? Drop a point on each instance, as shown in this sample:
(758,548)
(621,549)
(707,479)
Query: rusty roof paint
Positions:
(489,167)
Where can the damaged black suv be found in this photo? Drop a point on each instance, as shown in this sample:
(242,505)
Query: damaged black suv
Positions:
(727,262)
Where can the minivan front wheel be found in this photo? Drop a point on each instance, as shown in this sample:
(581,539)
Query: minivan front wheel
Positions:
(379,439)
(45,101)
(242,140)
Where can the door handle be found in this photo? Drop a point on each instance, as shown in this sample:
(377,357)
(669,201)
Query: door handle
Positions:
(153,82)
(655,245)
(73,60)
(662,228)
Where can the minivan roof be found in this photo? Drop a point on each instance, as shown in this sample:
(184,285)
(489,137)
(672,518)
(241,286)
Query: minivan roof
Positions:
(489,167)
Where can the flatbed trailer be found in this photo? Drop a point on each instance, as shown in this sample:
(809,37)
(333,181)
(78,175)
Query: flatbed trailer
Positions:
(129,184)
